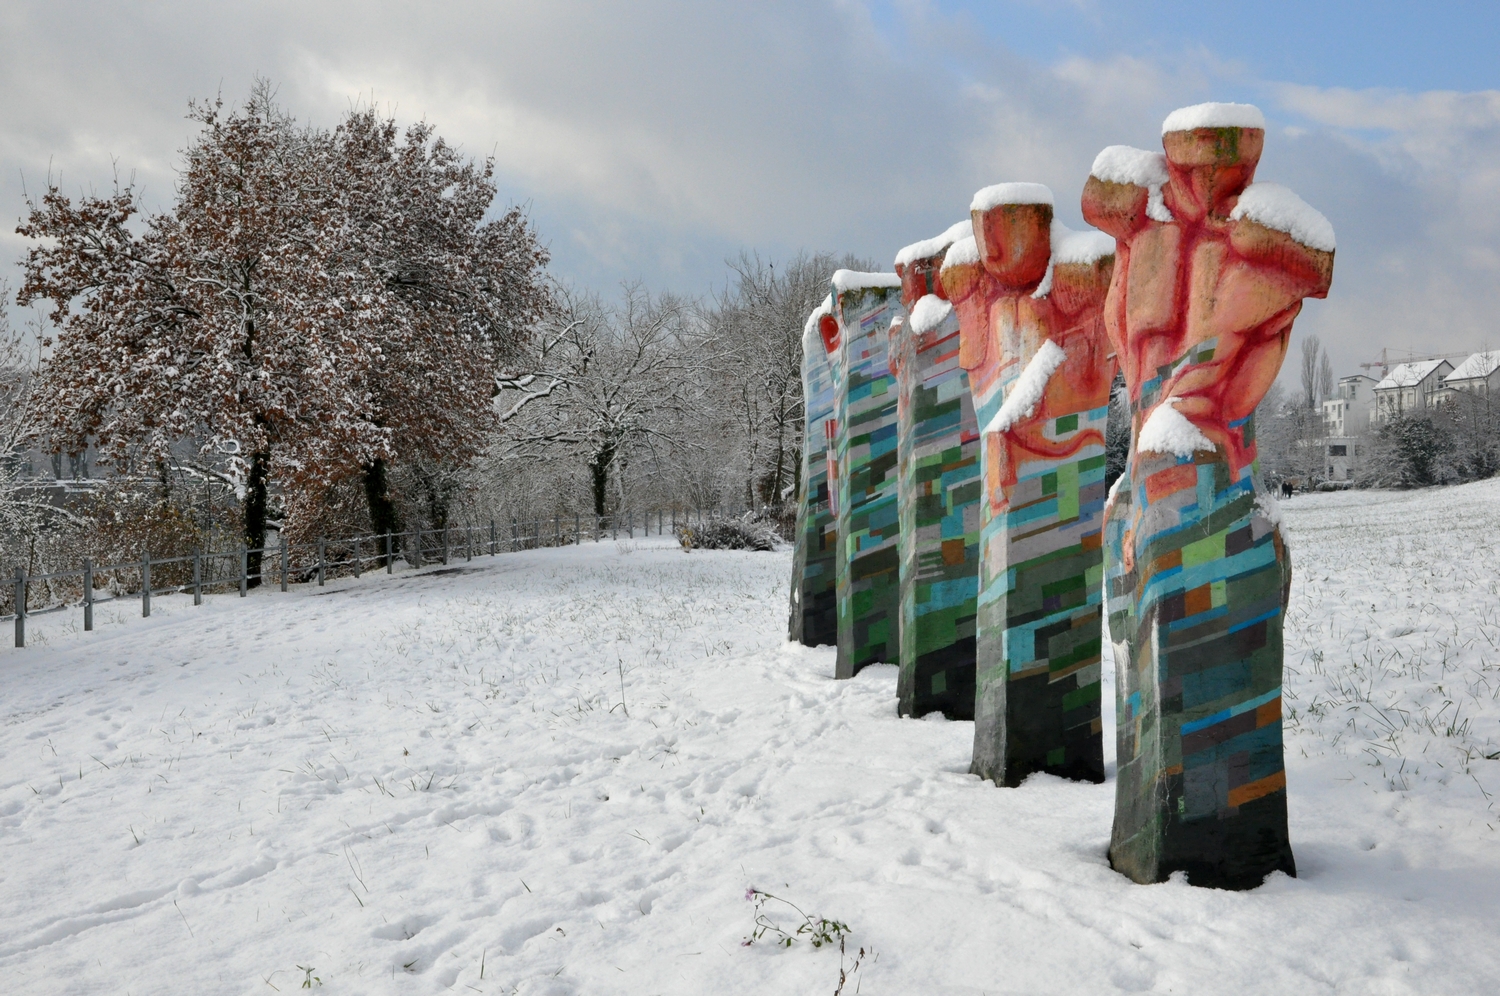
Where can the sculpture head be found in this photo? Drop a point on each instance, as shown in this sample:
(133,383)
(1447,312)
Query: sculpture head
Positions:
(1212,151)
(918,264)
(1013,232)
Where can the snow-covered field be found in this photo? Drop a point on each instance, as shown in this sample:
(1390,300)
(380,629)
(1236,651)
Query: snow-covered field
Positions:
(560,771)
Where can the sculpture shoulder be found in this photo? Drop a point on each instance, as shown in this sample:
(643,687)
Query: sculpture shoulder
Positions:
(1117,209)
(1260,245)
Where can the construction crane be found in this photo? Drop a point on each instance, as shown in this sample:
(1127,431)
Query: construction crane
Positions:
(1385,363)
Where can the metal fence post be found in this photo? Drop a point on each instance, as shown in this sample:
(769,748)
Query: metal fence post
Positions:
(446,530)
(492,537)
(515,533)
(614,526)
(468,543)
(145,585)
(88,594)
(390,556)
(285,562)
(556,530)
(20,606)
(244,570)
(598,522)
(322,556)
(356,556)
(577,532)
(197,577)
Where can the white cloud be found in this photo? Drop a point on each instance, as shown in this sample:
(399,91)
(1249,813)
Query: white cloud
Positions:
(653,139)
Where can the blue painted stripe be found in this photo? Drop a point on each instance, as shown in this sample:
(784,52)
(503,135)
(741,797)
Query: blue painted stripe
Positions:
(1231,712)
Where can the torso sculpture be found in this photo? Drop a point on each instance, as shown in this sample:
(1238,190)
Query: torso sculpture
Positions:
(1211,272)
(1029,295)
(814,612)
(862,468)
(938,471)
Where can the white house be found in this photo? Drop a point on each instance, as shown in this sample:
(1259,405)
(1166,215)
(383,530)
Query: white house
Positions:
(1348,412)
(1479,373)
(1410,387)
(1346,416)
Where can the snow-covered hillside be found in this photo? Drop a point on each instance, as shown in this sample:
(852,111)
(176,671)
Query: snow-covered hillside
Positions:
(558,772)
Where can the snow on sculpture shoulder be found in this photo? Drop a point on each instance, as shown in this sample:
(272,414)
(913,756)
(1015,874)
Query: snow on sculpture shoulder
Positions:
(928,313)
(931,247)
(1278,208)
(964,252)
(1137,167)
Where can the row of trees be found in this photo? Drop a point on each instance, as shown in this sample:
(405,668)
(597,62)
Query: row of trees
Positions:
(330,331)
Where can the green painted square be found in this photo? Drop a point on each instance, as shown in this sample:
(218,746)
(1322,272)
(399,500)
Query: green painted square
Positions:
(1203,551)
(1049,483)
(1078,697)
(1056,756)
(1068,423)
(1067,491)
(940,683)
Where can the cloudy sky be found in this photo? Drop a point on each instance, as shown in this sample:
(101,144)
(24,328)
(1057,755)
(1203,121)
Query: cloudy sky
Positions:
(653,139)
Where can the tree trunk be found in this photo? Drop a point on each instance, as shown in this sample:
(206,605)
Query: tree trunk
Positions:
(383,518)
(599,471)
(255,512)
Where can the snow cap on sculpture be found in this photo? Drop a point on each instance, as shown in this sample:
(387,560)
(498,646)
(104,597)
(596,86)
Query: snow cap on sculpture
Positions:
(928,248)
(845,281)
(988,198)
(1214,115)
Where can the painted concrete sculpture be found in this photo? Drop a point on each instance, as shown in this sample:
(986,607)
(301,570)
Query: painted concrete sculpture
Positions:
(1029,295)
(814,610)
(1212,271)
(938,488)
(862,468)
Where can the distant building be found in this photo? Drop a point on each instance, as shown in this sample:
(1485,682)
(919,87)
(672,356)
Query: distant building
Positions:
(1479,374)
(1346,417)
(1410,387)
(1349,411)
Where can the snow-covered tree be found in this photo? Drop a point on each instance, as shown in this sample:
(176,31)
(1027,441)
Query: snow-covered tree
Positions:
(606,384)
(755,328)
(315,305)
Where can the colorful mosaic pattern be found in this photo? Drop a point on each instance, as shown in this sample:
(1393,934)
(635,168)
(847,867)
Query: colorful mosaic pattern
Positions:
(1195,610)
(863,471)
(814,610)
(1038,655)
(1213,273)
(939,514)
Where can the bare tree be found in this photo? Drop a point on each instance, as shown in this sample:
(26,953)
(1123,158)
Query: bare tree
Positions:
(755,325)
(24,508)
(605,384)
(1311,351)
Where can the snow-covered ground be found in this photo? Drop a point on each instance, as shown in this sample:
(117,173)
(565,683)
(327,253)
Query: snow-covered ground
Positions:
(560,771)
